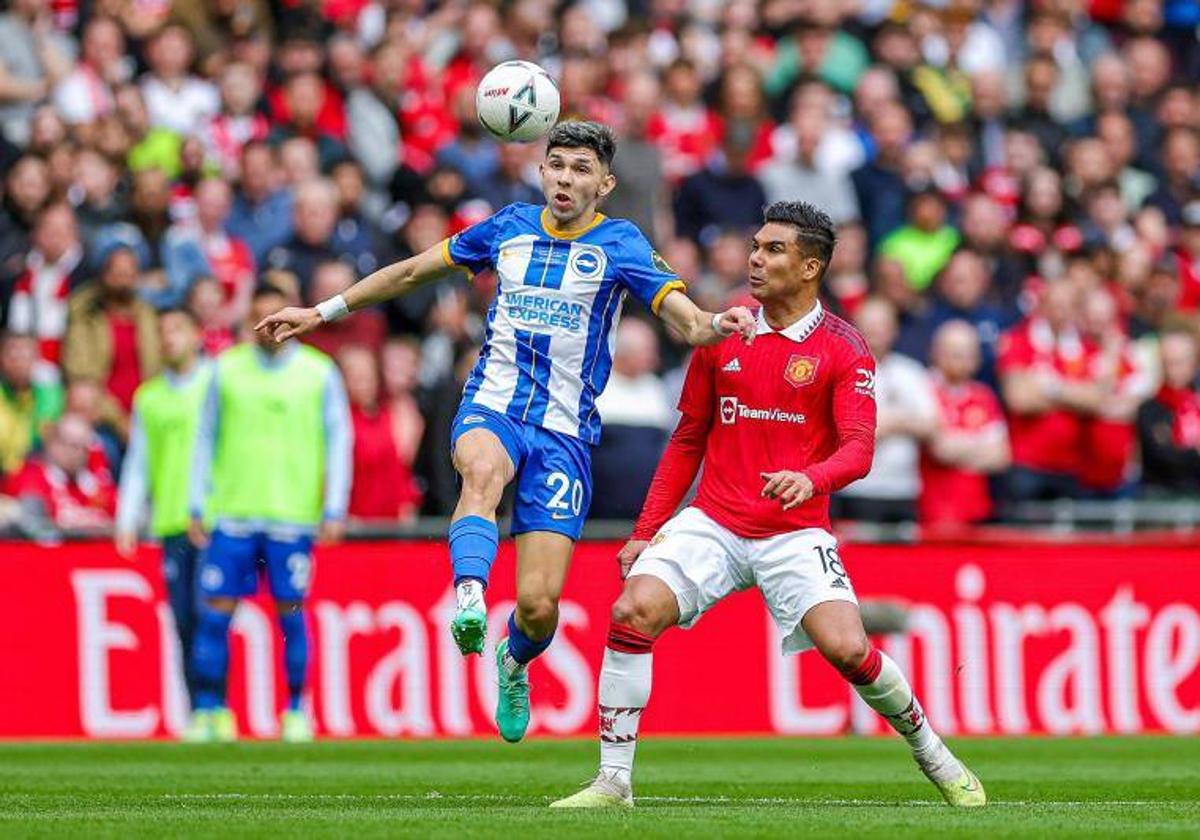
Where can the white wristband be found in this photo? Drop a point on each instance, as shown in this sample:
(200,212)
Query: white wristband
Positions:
(717,328)
(333,309)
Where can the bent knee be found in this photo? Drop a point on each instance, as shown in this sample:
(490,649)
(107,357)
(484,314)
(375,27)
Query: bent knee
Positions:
(644,613)
(540,611)
(847,653)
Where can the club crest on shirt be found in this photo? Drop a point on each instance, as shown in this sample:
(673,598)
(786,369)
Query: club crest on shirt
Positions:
(800,370)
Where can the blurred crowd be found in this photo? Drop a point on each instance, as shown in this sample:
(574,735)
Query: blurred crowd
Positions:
(1016,185)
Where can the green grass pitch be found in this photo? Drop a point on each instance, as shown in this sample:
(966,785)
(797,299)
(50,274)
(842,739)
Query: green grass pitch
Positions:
(686,788)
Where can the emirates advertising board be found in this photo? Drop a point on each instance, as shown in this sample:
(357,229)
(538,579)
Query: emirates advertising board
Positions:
(1004,638)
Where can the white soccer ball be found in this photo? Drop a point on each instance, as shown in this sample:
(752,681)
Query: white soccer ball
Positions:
(517,102)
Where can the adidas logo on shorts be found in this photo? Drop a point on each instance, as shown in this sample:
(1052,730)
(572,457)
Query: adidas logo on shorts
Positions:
(733,367)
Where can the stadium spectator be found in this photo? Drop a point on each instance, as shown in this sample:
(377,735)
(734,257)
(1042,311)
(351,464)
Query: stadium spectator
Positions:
(1187,257)
(86,93)
(100,193)
(1168,424)
(169,260)
(33,57)
(176,99)
(879,184)
(510,182)
(365,328)
(56,488)
(924,244)
(961,292)
(640,196)
(385,441)
(373,130)
(112,334)
(722,194)
(356,235)
(1109,436)
(314,221)
(262,212)
(638,417)
(1048,393)
(1180,156)
(228,258)
(305,96)
(907,416)
(27,405)
(804,175)
(238,122)
(474,152)
(683,128)
(972,439)
(53,268)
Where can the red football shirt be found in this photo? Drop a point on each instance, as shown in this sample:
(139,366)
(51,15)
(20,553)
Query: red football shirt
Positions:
(799,399)
(950,494)
(1051,441)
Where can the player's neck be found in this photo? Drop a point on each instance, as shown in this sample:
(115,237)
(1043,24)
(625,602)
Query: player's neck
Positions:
(582,222)
(781,314)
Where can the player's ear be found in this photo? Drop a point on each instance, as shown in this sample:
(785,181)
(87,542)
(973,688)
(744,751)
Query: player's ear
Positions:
(607,184)
(812,268)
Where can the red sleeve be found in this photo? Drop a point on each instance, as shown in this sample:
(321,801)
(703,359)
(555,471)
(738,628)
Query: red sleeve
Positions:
(685,451)
(1013,353)
(854,419)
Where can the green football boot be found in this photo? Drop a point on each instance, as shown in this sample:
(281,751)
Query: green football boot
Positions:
(199,729)
(512,700)
(469,629)
(224,725)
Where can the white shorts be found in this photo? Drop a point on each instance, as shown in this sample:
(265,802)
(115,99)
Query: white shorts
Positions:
(702,562)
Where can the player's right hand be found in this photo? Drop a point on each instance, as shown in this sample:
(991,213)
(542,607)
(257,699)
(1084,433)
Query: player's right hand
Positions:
(629,554)
(197,536)
(289,322)
(126,543)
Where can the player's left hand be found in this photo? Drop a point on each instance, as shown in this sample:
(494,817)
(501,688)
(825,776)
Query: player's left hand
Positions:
(790,487)
(740,320)
(289,321)
(331,532)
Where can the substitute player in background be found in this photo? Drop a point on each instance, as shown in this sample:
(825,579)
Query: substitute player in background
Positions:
(158,466)
(778,426)
(272,470)
(528,411)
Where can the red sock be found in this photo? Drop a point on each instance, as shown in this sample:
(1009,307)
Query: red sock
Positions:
(624,639)
(867,672)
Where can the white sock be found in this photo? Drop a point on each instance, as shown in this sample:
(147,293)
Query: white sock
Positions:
(469,595)
(512,666)
(891,695)
(624,692)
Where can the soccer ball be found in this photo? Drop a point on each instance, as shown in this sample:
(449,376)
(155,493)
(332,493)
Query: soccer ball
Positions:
(517,102)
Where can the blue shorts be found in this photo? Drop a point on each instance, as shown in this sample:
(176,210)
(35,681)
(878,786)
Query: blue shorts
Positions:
(553,470)
(232,565)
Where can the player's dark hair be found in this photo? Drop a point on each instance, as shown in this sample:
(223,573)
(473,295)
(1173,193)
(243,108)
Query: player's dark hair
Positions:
(179,310)
(579,134)
(813,226)
(264,289)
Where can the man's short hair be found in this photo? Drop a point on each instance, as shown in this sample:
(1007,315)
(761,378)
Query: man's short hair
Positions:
(267,289)
(179,310)
(580,134)
(813,226)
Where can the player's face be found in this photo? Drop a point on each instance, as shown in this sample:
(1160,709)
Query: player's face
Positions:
(261,308)
(574,181)
(780,267)
(178,336)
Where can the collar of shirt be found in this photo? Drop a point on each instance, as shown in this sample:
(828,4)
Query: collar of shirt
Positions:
(276,360)
(797,331)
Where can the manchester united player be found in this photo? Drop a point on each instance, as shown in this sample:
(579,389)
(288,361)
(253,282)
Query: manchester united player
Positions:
(778,425)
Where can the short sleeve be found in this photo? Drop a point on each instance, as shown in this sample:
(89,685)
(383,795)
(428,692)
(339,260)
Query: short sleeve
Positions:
(696,399)
(642,270)
(472,248)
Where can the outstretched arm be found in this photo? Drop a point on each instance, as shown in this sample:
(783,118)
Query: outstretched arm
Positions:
(388,282)
(700,328)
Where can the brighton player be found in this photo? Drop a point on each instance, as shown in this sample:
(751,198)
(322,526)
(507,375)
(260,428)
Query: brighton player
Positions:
(778,426)
(528,410)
